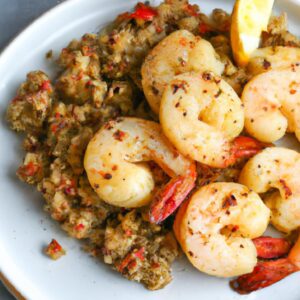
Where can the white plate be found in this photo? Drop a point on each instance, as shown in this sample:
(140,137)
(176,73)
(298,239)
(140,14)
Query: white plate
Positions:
(25,229)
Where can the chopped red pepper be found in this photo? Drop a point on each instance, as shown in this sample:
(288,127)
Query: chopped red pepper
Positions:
(79,227)
(46,86)
(140,253)
(129,261)
(54,250)
(29,170)
(142,12)
(191,10)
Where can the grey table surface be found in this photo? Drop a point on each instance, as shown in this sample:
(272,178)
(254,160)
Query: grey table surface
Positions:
(15,15)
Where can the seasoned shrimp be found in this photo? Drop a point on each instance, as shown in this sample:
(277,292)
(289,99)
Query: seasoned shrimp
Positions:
(216,226)
(202,115)
(268,58)
(276,168)
(272,104)
(115,164)
(178,53)
(267,273)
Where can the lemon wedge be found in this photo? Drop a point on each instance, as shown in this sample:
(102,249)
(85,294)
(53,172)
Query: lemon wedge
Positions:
(249,19)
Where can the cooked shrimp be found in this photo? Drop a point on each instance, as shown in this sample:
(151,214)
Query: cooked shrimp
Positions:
(276,168)
(267,273)
(272,104)
(268,58)
(202,115)
(179,52)
(216,226)
(115,164)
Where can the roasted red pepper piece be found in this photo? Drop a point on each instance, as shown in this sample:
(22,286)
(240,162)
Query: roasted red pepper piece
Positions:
(54,250)
(130,260)
(46,86)
(29,170)
(143,12)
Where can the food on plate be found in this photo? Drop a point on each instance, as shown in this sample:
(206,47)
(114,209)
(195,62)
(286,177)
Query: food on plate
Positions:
(209,117)
(269,58)
(54,250)
(249,19)
(115,165)
(269,248)
(274,170)
(32,104)
(178,53)
(272,104)
(269,272)
(215,228)
(148,116)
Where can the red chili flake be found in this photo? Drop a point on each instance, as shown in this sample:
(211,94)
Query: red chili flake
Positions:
(128,232)
(191,10)
(79,227)
(103,174)
(143,12)
(107,176)
(158,28)
(218,94)
(109,125)
(46,86)
(114,167)
(293,92)
(229,201)
(286,188)
(266,64)
(206,76)
(183,41)
(119,135)
(80,75)
(57,126)
(88,84)
(235,228)
(179,85)
(140,253)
